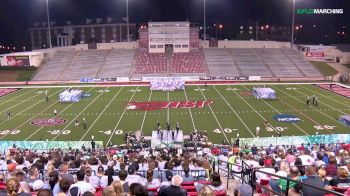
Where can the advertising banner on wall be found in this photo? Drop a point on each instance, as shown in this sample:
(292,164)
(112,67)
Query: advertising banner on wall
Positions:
(314,54)
(17,61)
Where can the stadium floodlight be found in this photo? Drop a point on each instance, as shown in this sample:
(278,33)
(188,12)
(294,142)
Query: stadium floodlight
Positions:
(204,20)
(127,21)
(293,20)
(48,22)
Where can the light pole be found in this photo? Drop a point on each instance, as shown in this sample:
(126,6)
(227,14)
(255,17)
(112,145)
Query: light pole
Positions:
(48,22)
(293,20)
(127,20)
(204,20)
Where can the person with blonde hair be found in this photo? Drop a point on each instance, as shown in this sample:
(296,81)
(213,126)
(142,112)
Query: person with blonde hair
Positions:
(14,188)
(323,174)
(108,192)
(117,188)
(206,191)
(342,179)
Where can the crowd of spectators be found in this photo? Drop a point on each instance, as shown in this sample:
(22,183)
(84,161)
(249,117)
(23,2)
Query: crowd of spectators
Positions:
(105,172)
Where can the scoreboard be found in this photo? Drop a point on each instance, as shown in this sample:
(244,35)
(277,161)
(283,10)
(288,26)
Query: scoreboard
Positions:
(175,34)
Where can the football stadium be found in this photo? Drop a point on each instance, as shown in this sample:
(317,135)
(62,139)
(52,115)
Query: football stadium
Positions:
(194,101)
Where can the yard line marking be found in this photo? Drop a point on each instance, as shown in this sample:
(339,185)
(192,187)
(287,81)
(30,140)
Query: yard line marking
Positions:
(20,95)
(19,103)
(144,116)
(347,105)
(211,109)
(304,104)
(168,115)
(115,128)
(281,113)
(194,126)
(90,127)
(21,111)
(234,111)
(78,115)
(31,117)
(59,114)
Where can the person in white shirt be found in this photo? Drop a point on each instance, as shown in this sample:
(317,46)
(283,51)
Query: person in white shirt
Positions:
(133,177)
(306,158)
(82,185)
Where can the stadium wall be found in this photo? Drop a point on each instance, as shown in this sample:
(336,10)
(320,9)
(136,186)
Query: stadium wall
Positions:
(252,44)
(117,45)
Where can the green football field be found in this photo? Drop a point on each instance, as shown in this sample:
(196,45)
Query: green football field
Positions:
(233,110)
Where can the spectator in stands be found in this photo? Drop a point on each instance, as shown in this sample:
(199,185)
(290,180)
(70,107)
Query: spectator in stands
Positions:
(64,187)
(14,188)
(11,168)
(64,172)
(299,164)
(290,157)
(54,182)
(122,176)
(187,177)
(312,179)
(342,179)
(90,178)
(82,185)
(108,178)
(294,175)
(38,185)
(117,188)
(243,190)
(109,192)
(137,189)
(331,168)
(174,188)
(319,162)
(34,175)
(20,177)
(323,175)
(206,191)
(268,168)
(215,185)
(168,177)
(133,177)
(305,157)
(152,182)
(45,192)
(50,168)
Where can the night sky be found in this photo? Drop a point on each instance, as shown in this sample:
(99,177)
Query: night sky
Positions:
(17,15)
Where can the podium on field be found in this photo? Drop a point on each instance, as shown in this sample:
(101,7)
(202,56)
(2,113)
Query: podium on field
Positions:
(167,139)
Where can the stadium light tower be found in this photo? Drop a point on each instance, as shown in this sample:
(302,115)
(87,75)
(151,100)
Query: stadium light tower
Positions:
(204,20)
(293,21)
(48,22)
(127,20)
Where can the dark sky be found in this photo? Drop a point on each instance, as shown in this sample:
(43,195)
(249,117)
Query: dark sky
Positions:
(17,15)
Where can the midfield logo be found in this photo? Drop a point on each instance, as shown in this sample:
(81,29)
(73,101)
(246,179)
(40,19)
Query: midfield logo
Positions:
(143,106)
(48,122)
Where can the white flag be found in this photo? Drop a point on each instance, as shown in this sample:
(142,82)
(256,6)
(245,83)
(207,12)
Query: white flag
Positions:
(98,20)
(88,21)
(109,20)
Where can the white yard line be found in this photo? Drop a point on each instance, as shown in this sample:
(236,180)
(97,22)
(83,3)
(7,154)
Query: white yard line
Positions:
(234,111)
(17,96)
(115,128)
(217,121)
(144,116)
(7,109)
(280,113)
(31,117)
(90,127)
(189,109)
(22,110)
(304,103)
(347,105)
(57,116)
(78,115)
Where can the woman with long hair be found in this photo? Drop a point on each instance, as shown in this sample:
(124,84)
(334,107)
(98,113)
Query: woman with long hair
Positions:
(152,182)
(14,188)
(117,188)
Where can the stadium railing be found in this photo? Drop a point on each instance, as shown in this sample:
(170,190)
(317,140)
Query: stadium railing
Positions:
(263,185)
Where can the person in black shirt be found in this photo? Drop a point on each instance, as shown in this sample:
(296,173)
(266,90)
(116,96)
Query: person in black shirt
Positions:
(174,188)
(311,179)
(342,179)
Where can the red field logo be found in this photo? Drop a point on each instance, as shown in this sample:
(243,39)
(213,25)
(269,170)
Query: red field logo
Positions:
(164,105)
(48,122)
(6,91)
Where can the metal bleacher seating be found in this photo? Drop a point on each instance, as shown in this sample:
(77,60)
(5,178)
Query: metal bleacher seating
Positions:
(191,62)
(150,63)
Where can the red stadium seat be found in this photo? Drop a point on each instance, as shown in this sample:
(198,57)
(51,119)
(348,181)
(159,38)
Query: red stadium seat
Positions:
(192,193)
(340,189)
(220,193)
(189,188)
(187,184)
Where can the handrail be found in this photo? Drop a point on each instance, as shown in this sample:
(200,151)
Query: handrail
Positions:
(296,181)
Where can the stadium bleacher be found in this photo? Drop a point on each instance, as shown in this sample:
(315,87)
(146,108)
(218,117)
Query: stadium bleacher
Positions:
(192,62)
(150,63)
